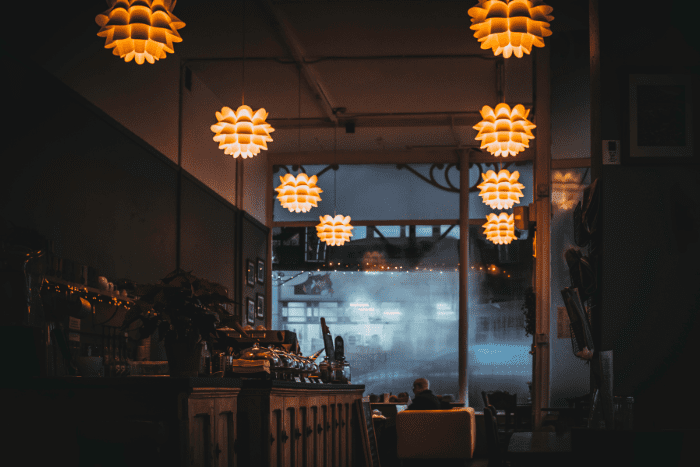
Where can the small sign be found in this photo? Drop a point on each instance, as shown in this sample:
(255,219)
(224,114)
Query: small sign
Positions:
(74,336)
(296,378)
(73,323)
(611,152)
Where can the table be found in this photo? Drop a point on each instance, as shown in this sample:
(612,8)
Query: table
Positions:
(540,447)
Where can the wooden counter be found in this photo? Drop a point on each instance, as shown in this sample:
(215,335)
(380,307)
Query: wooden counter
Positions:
(154,421)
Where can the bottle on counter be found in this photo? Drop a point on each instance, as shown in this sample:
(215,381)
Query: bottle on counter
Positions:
(325,370)
(125,356)
(107,357)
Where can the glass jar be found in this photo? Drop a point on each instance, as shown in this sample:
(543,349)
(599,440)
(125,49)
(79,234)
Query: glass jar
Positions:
(341,372)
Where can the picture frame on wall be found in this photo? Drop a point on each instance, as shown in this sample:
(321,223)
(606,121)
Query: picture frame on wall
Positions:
(251,311)
(250,273)
(261,271)
(659,118)
(260,306)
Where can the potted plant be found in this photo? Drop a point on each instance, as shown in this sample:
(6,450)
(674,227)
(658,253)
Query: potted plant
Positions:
(185,310)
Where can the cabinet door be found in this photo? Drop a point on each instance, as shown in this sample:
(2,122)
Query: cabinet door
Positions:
(200,432)
(279,436)
(225,433)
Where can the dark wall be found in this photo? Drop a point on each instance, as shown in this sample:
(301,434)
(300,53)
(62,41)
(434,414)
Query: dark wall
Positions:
(254,247)
(651,221)
(106,198)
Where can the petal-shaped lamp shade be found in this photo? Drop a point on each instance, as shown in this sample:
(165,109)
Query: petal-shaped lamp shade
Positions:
(503,131)
(143,30)
(300,193)
(511,26)
(242,133)
(500,229)
(502,190)
(334,230)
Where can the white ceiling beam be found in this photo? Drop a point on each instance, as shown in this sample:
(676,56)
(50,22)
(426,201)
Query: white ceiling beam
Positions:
(289,40)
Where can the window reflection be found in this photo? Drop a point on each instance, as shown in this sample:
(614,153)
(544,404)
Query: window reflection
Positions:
(397,308)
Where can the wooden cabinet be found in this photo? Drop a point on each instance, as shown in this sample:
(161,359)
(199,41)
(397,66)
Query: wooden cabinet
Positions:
(211,427)
(190,422)
(301,426)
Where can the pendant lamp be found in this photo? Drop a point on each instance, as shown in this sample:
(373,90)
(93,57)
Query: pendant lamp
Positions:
(503,131)
(143,30)
(500,229)
(334,230)
(511,26)
(502,190)
(300,193)
(242,133)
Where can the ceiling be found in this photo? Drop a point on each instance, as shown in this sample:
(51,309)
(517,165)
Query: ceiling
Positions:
(405,73)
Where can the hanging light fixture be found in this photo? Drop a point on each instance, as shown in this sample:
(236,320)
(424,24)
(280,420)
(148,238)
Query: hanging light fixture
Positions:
(511,26)
(500,229)
(300,193)
(502,190)
(503,131)
(143,30)
(334,230)
(242,133)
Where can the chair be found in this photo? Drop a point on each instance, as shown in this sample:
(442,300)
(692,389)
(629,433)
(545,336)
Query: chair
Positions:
(436,434)
(495,447)
(502,400)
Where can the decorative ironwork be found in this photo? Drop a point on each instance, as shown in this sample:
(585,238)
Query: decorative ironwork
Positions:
(450,188)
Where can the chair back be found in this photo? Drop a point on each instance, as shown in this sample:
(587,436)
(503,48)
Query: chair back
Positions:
(436,434)
(502,400)
(493,444)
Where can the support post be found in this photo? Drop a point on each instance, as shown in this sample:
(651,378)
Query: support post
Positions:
(542,261)
(463,346)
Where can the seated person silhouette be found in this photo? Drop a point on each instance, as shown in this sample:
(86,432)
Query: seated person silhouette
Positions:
(424,398)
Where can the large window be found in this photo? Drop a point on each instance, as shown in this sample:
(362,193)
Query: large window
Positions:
(394,299)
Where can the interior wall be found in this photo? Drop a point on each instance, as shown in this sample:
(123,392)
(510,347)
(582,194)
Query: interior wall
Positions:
(570,107)
(651,220)
(108,199)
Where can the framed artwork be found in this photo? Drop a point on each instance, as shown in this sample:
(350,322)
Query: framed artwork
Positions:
(261,271)
(260,306)
(659,120)
(251,311)
(250,273)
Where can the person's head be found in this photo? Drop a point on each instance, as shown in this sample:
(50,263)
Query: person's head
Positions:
(420,385)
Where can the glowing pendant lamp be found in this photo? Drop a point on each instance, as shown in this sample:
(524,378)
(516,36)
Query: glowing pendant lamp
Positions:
(511,26)
(140,29)
(242,133)
(300,193)
(502,190)
(500,229)
(503,131)
(334,230)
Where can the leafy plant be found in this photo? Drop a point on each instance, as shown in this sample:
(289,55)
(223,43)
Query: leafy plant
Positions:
(179,306)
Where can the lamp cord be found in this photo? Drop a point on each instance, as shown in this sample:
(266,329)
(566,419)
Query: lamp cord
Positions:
(335,170)
(243,67)
(299,109)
